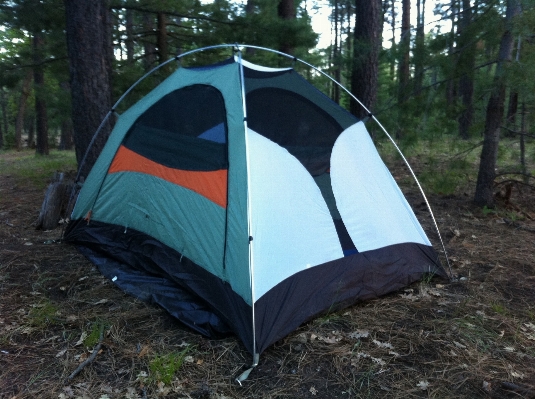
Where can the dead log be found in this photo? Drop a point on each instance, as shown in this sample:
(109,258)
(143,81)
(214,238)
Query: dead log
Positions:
(54,204)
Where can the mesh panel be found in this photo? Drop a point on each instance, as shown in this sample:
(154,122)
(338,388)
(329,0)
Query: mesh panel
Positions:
(168,132)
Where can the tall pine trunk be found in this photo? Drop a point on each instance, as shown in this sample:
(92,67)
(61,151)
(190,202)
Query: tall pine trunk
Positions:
(495,110)
(287,12)
(336,51)
(161,39)
(466,63)
(90,70)
(404,50)
(451,88)
(3,105)
(23,100)
(366,45)
(41,120)
(419,50)
(149,49)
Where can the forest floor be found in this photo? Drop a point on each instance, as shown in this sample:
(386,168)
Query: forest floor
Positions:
(473,337)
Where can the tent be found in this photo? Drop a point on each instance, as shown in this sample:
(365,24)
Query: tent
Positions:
(243,200)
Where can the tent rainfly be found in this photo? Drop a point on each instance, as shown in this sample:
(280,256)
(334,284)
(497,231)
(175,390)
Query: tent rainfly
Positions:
(243,200)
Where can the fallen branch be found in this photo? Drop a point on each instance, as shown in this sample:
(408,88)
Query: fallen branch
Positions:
(524,390)
(516,225)
(90,358)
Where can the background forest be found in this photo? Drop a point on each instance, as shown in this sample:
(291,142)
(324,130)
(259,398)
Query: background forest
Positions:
(457,73)
(453,83)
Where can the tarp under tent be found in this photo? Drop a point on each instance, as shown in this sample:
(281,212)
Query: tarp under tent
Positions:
(243,200)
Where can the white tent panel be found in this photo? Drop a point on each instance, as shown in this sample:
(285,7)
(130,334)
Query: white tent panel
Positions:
(372,206)
(292,228)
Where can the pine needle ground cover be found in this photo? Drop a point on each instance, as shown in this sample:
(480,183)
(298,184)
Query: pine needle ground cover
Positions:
(470,338)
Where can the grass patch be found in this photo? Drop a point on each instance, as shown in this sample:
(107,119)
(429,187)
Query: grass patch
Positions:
(94,336)
(43,314)
(164,367)
(36,169)
(498,308)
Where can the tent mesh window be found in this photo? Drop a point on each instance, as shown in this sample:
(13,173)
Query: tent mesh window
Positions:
(191,136)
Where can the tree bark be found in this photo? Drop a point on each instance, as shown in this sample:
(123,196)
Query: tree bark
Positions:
(404,47)
(163,53)
(66,140)
(129,44)
(23,100)
(3,105)
(494,115)
(287,12)
(419,50)
(337,68)
(394,45)
(366,46)
(451,90)
(512,109)
(41,119)
(89,49)
(149,48)
(466,63)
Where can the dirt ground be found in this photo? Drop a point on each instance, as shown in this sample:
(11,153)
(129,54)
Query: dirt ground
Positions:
(473,337)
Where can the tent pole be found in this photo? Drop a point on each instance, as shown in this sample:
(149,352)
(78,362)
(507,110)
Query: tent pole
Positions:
(256,355)
(387,135)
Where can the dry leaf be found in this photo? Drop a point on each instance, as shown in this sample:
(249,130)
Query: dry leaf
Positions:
(313,391)
(143,351)
(61,353)
(518,375)
(379,361)
(383,344)
(81,339)
(423,385)
(357,334)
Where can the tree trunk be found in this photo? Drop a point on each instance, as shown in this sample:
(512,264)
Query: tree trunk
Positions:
(161,38)
(495,110)
(366,45)
(23,100)
(337,71)
(419,50)
(54,204)
(129,26)
(66,140)
(451,94)
(467,64)
(3,109)
(148,47)
(287,12)
(393,48)
(3,106)
(30,128)
(41,119)
(404,48)
(90,70)
(512,109)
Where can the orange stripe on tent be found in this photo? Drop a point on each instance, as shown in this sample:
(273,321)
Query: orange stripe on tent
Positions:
(210,184)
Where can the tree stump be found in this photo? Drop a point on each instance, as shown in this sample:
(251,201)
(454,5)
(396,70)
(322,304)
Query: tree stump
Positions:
(55,203)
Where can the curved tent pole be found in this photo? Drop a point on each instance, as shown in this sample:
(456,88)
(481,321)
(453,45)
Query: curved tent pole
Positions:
(382,128)
(256,356)
(120,100)
(237,46)
(114,107)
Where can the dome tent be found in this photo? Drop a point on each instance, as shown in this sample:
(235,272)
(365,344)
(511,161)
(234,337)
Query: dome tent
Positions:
(242,199)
